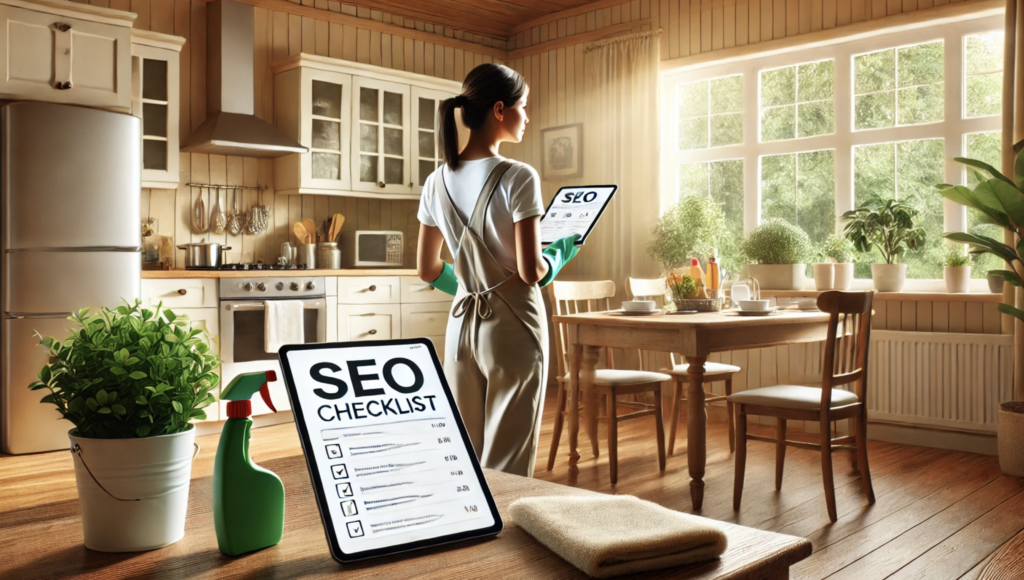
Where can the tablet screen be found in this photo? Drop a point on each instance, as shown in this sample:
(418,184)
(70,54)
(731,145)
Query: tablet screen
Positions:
(389,457)
(574,210)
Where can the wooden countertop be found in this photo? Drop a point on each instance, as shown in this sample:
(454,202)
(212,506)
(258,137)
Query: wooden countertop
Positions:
(40,521)
(180,273)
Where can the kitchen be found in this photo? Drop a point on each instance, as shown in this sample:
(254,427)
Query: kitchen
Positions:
(220,97)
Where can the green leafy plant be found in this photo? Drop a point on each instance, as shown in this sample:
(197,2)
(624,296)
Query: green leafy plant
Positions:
(777,241)
(1000,201)
(129,372)
(681,287)
(689,229)
(886,225)
(956,257)
(838,248)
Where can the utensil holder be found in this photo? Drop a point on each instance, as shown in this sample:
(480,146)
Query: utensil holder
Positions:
(328,255)
(307,256)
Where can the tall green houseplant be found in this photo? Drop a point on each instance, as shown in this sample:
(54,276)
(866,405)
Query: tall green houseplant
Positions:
(884,225)
(689,229)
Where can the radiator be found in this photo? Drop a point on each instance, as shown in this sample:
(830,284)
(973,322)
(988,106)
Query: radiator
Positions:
(939,380)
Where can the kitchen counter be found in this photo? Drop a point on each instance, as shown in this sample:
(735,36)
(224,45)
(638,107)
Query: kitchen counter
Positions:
(181,273)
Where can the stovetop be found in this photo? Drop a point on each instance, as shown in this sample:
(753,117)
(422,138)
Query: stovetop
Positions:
(257,266)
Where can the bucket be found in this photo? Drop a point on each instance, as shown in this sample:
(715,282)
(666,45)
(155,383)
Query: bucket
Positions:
(133,492)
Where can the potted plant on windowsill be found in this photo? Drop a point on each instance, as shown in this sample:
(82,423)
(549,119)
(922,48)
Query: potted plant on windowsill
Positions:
(689,229)
(839,251)
(131,380)
(956,270)
(888,226)
(778,252)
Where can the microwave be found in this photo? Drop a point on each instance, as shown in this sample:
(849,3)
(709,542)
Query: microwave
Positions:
(378,248)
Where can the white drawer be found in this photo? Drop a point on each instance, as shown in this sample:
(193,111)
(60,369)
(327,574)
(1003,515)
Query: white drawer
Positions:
(369,322)
(429,319)
(417,291)
(180,293)
(368,290)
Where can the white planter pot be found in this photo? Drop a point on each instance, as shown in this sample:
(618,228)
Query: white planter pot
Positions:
(824,276)
(154,470)
(958,279)
(779,276)
(1010,438)
(843,276)
(889,277)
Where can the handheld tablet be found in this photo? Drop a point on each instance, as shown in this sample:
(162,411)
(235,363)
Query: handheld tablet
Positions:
(392,465)
(575,210)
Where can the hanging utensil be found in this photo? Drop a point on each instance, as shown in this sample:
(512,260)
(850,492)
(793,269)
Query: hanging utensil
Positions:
(199,223)
(258,215)
(236,222)
(218,219)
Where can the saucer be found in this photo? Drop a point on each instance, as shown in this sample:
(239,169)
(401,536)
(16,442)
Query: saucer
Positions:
(654,312)
(768,312)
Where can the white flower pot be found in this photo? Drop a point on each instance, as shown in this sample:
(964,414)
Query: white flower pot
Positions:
(1009,438)
(153,470)
(824,276)
(779,276)
(958,279)
(889,277)
(843,276)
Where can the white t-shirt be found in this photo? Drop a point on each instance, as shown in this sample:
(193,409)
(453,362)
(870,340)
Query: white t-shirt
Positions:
(518,197)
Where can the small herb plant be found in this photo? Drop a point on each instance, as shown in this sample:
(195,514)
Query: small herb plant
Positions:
(956,257)
(690,229)
(777,241)
(129,372)
(886,225)
(838,248)
(681,287)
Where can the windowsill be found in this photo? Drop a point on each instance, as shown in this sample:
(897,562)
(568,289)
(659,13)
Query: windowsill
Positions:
(906,295)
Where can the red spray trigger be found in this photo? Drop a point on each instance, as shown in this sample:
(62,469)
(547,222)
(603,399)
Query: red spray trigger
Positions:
(265,390)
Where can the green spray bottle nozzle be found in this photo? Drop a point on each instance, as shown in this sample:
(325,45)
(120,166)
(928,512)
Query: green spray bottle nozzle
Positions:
(245,385)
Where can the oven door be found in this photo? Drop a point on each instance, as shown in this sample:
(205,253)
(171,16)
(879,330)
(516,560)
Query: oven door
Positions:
(242,324)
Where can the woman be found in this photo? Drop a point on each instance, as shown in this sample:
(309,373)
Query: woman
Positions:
(487,209)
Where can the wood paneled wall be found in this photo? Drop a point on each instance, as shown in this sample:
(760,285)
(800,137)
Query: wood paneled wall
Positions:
(279,34)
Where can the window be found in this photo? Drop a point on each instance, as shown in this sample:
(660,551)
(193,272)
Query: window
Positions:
(985,147)
(808,135)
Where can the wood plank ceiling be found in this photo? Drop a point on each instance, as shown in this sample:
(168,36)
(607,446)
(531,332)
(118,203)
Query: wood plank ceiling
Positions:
(494,18)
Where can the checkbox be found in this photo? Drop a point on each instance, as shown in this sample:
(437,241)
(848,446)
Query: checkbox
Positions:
(345,489)
(334,451)
(355,529)
(339,471)
(348,507)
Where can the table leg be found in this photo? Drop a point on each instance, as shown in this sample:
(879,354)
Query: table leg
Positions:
(696,430)
(573,406)
(589,393)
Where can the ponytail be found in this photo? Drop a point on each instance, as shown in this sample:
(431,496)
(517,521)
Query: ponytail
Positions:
(484,86)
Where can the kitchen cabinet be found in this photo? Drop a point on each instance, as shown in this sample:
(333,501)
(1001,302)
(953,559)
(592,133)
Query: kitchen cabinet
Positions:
(156,100)
(370,130)
(65,53)
(177,293)
(369,290)
(429,319)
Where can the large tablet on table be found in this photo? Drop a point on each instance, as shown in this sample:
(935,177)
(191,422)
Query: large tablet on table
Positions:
(392,465)
(575,210)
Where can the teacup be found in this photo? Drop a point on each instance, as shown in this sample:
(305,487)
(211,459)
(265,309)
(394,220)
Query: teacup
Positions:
(639,305)
(754,305)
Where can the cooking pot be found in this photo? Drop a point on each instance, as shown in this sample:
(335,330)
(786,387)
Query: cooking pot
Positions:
(204,254)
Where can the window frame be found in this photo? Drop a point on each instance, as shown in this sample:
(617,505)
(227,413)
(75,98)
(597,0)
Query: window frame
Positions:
(952,129)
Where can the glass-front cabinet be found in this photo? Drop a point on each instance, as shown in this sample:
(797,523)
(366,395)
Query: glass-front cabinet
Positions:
(371,131)
(155,100)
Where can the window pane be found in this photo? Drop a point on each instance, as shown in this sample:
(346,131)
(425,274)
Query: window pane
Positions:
(426,144)
(426,168)
(722,98)
(920,64)
(874,111)
(726,129)
(427,107)
(920,104)
(816,118)
(326,99)
(326,165)
(797,101)
(368,104)
(727,95)
(983,74)
(393,170)
(815,81)
(874,72)
(985,147)
(368,168)
(693,133)
(693,99)
(985,95)
(723,181)
(392,108)
(693,179)
(327,134)
(800,188)
(778,87)
(778,123)
(393,141)
(367,138)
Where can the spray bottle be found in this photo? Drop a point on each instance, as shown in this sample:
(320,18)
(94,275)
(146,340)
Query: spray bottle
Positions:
(248,501)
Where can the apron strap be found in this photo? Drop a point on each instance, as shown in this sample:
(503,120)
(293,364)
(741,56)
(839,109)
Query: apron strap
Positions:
(477,221)
(451,215)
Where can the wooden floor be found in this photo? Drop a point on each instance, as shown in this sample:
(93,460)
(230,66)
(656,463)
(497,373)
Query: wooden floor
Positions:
(938,514)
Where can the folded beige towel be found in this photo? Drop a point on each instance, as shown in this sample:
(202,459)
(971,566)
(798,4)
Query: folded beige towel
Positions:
(607,536)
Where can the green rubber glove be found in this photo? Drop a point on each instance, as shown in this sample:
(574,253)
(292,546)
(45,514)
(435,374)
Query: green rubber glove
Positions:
(446,282)
(557,256)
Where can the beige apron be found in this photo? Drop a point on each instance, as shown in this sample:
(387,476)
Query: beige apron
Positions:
(496,346)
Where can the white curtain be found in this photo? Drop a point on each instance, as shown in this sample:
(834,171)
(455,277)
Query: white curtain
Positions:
(620,132)
(1013,136)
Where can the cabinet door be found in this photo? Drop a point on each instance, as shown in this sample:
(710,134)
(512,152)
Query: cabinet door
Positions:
(325,129)
(380,135)
(426,155)
(207,319)
(369,322)
(155,100)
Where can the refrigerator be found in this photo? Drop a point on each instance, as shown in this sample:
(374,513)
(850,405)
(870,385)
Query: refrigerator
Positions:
(69,238)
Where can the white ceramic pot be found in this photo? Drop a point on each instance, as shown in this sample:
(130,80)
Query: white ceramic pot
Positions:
(843,276)
(153,470)
(958,279)
(824,276)
(889,277)
(779,276)
(1009,436)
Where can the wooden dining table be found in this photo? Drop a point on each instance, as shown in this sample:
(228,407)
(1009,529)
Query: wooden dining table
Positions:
(695,336)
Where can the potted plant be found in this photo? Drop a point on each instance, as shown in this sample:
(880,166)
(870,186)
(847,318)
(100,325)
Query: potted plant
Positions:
(888,226)
(957,269)
(131,380)
(778,252)
(689,229)
(840,251)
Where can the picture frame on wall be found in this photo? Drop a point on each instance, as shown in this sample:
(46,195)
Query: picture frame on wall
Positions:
(563,152)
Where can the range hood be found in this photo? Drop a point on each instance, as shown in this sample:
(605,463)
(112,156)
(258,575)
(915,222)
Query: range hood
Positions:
(230,127)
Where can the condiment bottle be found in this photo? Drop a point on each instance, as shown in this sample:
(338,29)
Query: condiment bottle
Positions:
(714,276)
(698,277)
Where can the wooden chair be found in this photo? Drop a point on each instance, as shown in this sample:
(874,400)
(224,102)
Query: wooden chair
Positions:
(654,288)
(845,362)
(610,383)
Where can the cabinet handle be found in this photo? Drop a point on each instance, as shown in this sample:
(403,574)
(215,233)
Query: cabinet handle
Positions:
(183,291)
(61,26)
(62,86)
(373,288)
(372,331)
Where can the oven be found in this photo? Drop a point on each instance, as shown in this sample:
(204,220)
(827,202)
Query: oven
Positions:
(242,325)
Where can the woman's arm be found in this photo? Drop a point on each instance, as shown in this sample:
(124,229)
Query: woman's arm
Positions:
(428,253)
(532,266)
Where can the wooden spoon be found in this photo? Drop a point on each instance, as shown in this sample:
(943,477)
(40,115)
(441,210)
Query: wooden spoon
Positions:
(300,232)
(310,230)
(336,223)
